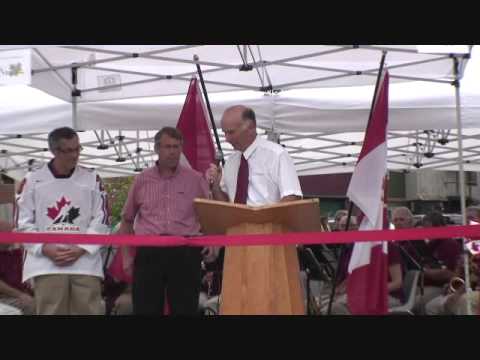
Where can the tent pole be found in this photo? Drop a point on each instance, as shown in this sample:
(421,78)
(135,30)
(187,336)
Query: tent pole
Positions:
(214,126)
(75,94)
(462,180)
(137,151)
(74,113)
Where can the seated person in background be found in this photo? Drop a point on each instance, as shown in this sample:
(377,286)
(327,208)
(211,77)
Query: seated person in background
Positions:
(440,261)
(473,214)
(395,276)
(13,292)
(342,267)
(454,299)
(211,285)
(416,250)
(338,216)
(437,257)
(117,285)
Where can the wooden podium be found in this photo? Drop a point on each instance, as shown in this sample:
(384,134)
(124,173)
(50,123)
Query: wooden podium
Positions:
(260,280)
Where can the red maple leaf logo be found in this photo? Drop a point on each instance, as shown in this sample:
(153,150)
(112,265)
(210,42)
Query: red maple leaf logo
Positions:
(53,212)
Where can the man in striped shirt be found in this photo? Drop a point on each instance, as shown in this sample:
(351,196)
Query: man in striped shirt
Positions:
(160,202)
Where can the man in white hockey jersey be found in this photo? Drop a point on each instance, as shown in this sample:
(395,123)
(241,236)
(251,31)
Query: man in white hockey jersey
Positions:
(62,197)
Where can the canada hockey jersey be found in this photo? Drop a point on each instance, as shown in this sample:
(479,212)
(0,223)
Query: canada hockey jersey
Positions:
(77,204)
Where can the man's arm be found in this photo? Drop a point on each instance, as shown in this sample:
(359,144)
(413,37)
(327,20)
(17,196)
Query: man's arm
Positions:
(9,291)
(126,227)
(290,198)
(439,275)
(396,281)
(288,183)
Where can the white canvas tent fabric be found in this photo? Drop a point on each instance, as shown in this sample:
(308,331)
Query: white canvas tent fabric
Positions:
(107,72)
(318,119)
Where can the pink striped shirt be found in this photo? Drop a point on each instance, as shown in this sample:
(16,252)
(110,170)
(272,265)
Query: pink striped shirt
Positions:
(164,204)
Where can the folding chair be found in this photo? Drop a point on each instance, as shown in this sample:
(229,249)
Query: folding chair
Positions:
(410,284)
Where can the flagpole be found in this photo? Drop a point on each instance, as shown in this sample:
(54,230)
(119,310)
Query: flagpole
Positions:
(462,181)
(350,208)
(214,127)
(75,94)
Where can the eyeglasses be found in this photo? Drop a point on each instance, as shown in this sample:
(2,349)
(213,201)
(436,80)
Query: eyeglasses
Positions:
(168,147)
(71,151)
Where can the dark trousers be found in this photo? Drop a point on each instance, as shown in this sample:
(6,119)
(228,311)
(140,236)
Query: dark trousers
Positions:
(174,269)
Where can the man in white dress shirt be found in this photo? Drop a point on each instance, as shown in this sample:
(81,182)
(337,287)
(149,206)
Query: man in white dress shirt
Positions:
(271,172)
(258,173)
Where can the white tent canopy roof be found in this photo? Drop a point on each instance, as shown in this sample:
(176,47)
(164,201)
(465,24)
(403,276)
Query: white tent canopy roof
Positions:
(317,119)
(107,72)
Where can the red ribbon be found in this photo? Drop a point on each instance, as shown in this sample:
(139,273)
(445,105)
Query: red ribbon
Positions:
(340,237)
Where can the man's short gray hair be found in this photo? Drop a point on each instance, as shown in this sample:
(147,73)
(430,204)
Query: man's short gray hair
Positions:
(58,134)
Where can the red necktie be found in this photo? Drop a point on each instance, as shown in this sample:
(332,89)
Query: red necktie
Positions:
(242,182)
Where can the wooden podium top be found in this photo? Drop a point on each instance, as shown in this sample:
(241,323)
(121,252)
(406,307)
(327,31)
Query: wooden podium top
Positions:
(217,216)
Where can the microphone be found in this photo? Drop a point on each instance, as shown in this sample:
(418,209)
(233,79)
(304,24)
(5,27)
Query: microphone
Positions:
(217,161)
(218,158)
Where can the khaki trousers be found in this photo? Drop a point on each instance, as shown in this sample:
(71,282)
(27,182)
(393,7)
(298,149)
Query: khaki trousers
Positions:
(65,294)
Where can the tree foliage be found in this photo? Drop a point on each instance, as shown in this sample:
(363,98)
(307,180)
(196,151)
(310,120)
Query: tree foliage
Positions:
(117,189)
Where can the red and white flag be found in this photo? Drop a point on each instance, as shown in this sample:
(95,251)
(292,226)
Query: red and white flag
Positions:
(198,148)
(367,292)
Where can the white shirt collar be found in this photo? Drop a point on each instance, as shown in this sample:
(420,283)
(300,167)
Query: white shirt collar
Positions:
(251,149)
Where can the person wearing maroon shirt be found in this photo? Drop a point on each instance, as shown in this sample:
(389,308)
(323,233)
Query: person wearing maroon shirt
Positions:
(454,299)
(438,257)
(160,202)
(414,251)
(394,281)
(12,291)
(444,254)
(473,215)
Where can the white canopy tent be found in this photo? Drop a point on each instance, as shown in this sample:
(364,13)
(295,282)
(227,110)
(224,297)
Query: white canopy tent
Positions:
(107,72)
(296,92)
(316,125)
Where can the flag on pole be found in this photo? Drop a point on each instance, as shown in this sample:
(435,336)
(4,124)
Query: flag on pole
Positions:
(198,148)
(367,270)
